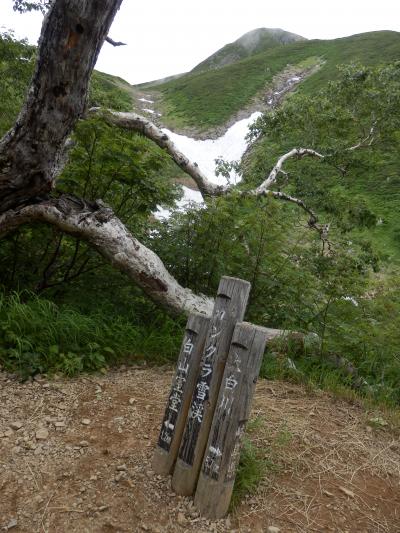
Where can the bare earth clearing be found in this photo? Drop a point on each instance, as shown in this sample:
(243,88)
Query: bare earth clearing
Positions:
(76,457)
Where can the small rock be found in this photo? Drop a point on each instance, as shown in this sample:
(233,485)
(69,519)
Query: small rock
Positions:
(12,523)
(84,443)
(103,507)
(59,424)
(347,492)
(122,468)
(273,529)
(132,401)
(42,434)
(85,421)
(16,425)
(9,433)
(327,493)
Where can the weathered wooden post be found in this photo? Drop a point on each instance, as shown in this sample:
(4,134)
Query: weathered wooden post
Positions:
(229,308)
(221,458)
(181,394)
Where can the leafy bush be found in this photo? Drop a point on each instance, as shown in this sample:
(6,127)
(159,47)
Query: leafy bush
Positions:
(38,336)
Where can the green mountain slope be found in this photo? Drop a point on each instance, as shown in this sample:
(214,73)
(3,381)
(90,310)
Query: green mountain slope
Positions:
(208,99)
(249,44)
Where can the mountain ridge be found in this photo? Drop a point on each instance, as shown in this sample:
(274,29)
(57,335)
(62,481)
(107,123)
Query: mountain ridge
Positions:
(248,44)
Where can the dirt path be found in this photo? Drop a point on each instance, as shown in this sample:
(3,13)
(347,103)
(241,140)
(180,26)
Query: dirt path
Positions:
(76,457)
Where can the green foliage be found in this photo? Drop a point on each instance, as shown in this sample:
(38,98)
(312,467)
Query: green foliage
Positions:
(208,99)
(38,336)
(16,66)
(251,470)
(255,240)
(250,44)
(354,188)
(110,92)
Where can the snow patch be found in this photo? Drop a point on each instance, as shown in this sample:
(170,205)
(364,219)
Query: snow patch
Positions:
(146,100)
(148,110)
(230,147)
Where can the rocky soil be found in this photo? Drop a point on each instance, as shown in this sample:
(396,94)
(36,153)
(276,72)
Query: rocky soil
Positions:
(75,456)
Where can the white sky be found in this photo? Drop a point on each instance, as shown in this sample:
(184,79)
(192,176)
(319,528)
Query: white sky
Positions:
(171,36)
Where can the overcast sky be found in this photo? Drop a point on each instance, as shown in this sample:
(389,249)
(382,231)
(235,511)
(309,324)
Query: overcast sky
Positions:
(171,36)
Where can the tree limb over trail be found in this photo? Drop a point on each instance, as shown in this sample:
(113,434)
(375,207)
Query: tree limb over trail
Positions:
(135,122)
(32,153)
(96,224)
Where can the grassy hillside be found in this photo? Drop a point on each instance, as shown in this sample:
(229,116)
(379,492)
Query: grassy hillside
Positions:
(208,99)
(249,44)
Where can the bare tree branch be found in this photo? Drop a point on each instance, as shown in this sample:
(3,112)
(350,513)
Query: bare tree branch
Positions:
(367,141)
(298,153)
(114,43)
(132,121)
(96,224)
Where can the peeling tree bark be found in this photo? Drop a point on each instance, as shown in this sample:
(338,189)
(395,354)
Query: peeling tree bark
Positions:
(135,122)
(132,121)
(31,153)
(96,224)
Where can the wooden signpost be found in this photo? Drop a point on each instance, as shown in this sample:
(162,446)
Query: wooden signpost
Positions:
(217,476)
(210,400)
(181,394)
(230,306)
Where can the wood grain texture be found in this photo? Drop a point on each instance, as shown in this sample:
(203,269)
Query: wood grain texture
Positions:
(179,399)
(221,458)
(229,308)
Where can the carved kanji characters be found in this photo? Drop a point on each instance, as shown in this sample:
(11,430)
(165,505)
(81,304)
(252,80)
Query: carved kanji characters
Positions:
(206,370)
(202,389)
(175,401)
(196,411)
(230,382)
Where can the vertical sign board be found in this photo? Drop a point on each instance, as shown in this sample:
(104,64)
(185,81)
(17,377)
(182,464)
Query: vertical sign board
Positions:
(229,308)
(181,393)
(221,458)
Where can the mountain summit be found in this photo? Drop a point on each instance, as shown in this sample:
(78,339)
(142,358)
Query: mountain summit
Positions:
(251,43)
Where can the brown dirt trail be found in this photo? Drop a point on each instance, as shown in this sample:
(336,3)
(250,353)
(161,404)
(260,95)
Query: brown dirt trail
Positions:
(75,456)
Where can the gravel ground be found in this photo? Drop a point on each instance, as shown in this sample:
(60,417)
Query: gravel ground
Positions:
(75,456)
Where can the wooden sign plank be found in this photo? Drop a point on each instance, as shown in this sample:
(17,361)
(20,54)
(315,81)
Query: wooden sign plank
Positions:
(180,396)
(218,471)
(229,308)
